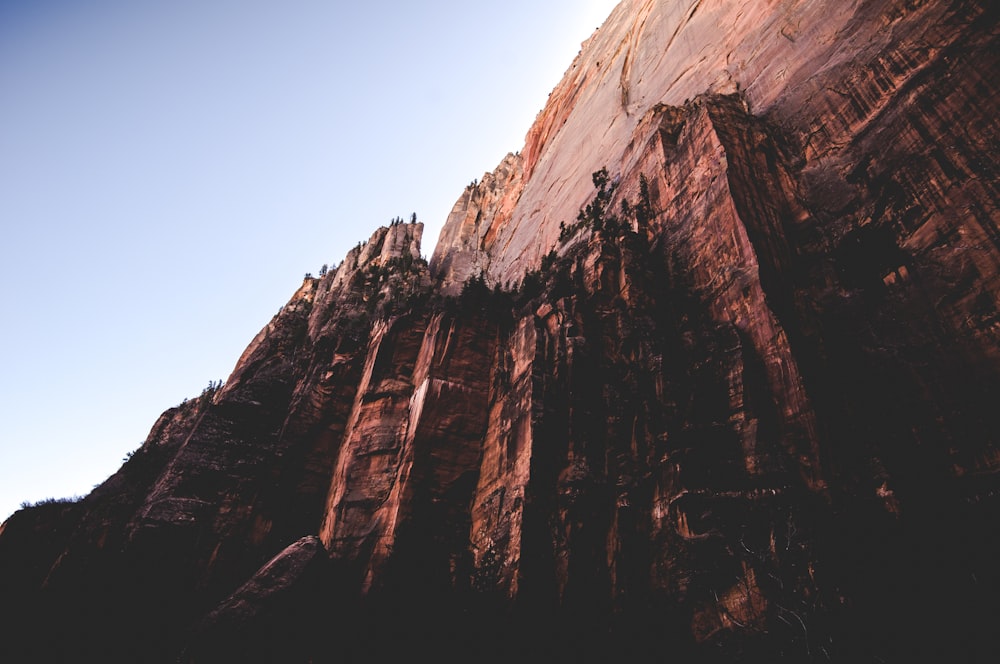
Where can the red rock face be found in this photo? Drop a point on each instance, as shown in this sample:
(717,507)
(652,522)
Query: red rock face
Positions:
(707,370)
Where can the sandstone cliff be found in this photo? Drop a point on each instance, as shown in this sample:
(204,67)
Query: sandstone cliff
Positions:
(706,372)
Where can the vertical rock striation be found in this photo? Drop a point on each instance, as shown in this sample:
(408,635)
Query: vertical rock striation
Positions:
(705,372)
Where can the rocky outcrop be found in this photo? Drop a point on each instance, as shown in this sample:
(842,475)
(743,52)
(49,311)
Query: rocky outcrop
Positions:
(223,483)
(471,226)
(269,618)
(706,370)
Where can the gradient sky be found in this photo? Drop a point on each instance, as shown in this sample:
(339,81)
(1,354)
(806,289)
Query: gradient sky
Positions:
(169,170)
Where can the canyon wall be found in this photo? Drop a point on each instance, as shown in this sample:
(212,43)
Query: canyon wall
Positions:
(705,372)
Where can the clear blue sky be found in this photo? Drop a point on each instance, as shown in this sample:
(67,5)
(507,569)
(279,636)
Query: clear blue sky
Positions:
(169,169)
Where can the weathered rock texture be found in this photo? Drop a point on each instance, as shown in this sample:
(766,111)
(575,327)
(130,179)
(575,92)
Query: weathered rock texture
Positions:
(706,372)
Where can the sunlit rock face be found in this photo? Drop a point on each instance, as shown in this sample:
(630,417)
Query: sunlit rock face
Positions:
(705,373)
